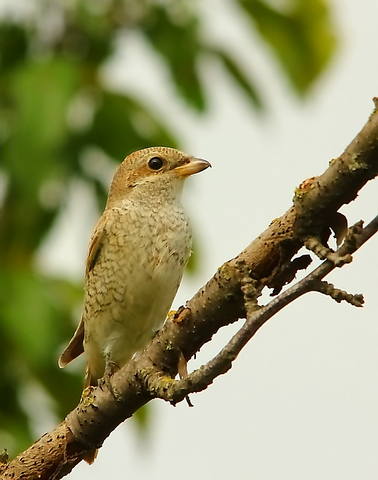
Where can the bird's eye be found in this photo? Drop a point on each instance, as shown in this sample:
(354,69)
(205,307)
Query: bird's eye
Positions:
(155,163)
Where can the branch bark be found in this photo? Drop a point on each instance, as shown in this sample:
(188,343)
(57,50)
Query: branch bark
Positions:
(229,295)
(175,391)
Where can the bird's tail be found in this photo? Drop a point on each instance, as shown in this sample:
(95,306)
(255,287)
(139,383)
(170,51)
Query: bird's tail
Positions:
(90,456)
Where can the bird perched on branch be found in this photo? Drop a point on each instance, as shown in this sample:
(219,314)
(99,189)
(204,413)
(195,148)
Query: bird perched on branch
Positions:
(136,258)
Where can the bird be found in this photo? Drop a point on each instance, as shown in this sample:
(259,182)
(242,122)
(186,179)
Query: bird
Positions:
(136,258)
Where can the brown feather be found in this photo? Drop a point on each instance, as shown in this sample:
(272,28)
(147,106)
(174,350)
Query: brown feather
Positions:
(90,456)
(74,348)
(95,244)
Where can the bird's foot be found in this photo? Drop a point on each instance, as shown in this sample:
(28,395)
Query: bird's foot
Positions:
(87,396)
(182,369)
(110,369)
(171,314)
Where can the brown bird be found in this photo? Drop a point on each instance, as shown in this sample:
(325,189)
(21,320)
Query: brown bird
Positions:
(136,258)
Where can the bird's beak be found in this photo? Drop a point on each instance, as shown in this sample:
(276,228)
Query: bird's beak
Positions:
(194,165)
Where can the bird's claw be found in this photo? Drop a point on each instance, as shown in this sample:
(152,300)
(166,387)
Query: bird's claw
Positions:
(182,368)
(110,369)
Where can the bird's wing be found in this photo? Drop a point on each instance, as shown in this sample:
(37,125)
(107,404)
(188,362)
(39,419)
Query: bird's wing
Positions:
(75,346)
(95,244)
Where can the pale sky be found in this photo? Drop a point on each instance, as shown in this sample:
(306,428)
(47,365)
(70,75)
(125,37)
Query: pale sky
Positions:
(301,400)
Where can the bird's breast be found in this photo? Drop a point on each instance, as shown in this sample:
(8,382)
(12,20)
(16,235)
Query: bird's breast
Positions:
(133,283)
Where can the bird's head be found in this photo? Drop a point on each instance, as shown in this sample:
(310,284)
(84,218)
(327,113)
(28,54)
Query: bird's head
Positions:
(154,168)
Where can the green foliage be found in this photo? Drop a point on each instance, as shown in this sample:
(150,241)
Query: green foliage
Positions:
(240,78)
(39,92)
(142,419)
(35,318)
(162,28)
(120,120)
(301,36)
(13,45)
(54,107)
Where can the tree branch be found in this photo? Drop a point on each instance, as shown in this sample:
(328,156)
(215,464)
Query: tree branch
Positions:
(174,391)
(229,295)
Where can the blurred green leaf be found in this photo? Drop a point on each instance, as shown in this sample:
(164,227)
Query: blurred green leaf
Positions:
(301,36)
(142,418)
(89,34)
(240,77)
(13,45)
(41,92)
(178,43)
(35,317)
(101,193)
(121,123)
(15,432)
(195,257)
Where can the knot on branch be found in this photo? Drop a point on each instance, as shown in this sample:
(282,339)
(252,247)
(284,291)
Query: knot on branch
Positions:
(250,287)
(304,187)
(353,238)
(325,253)
(316,246)
(338,295)
(158,384)
(350,244)
(78,420)
(99,411)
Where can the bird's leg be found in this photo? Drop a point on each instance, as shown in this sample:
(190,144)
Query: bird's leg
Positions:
(171,314)
(182,368)
(110,368)
(86,394)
